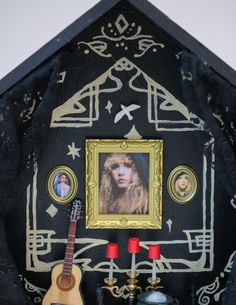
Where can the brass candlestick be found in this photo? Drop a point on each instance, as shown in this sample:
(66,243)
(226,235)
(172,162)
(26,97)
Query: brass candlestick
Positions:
(131,287)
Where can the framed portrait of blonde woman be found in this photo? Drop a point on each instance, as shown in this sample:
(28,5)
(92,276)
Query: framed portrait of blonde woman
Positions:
(182,184)
(124,183)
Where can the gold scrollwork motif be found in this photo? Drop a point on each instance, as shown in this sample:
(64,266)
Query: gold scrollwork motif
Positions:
(124,183)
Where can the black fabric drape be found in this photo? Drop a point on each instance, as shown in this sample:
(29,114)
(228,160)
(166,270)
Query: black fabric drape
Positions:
(24,121)
(229,295)
(214,100)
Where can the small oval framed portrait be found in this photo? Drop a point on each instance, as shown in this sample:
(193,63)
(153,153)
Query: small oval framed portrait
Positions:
(182,184)
(62,184)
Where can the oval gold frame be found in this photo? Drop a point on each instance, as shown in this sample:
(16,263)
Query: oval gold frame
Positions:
(171,181)
(73,184)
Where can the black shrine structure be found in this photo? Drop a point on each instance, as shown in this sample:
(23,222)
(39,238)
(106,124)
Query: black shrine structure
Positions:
(117,54)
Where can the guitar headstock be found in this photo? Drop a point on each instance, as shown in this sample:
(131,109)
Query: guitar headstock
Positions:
(76,209)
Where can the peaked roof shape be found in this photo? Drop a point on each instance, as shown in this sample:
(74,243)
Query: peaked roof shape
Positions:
(73,30)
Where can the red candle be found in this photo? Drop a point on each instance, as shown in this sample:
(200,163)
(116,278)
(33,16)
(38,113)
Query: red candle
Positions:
(112,250)
(154,252)
(133,245)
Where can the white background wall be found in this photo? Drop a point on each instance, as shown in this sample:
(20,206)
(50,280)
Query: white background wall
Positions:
(26,25)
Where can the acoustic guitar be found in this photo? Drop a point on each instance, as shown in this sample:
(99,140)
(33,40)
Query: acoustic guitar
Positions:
(66,277)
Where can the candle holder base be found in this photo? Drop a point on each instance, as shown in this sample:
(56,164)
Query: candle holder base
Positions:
(114,290)
(132,286)
(110,282)
(132,275)
(153,284)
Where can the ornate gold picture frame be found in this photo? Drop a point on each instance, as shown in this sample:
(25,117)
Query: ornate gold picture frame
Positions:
(124,184)
(62,184)
(182,184)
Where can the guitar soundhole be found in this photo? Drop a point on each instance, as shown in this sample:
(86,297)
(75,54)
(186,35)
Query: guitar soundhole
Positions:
(65,282)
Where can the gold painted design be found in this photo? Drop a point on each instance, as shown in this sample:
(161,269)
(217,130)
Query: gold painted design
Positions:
(198,243)
(151,220)
(73,151)
(52,210)
(109,106)
(133,134)
(124,35)
(82,109)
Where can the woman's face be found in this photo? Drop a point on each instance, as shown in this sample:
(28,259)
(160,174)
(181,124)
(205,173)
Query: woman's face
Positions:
(62,179)
(183,181)
(122,174)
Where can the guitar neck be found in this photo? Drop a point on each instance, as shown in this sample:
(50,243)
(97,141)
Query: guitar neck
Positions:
(68,260)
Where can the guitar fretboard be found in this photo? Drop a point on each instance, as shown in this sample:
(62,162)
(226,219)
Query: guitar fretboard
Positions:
(68,260)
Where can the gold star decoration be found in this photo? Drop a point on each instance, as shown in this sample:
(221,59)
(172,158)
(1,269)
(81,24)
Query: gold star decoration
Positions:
(73,151)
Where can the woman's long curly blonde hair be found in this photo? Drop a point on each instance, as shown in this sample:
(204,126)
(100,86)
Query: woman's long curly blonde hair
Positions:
(134,200)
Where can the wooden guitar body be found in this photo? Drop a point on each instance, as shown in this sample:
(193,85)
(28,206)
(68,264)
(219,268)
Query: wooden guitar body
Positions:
(64,289)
